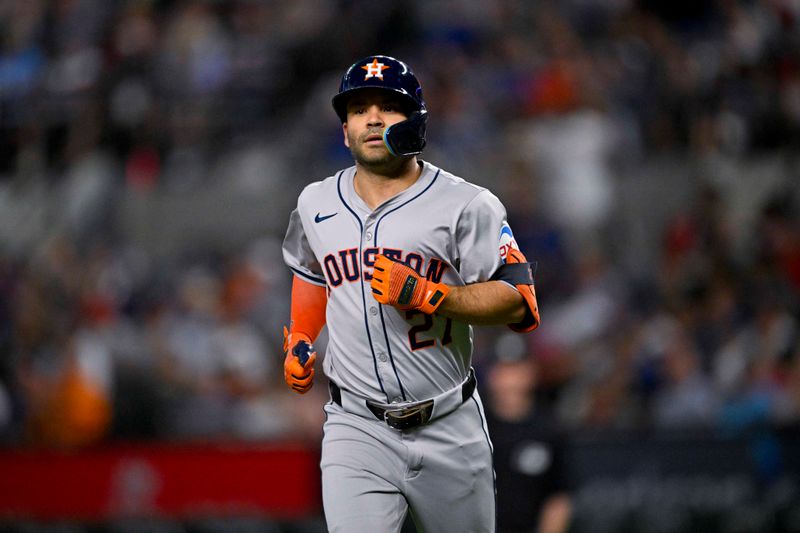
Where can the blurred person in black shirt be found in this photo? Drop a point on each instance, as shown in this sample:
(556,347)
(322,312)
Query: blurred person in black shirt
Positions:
(532,487)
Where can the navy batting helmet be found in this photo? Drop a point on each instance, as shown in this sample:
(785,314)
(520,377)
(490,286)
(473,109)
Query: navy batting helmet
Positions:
(383,72)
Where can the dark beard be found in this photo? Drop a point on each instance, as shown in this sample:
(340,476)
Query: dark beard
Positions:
(385,164)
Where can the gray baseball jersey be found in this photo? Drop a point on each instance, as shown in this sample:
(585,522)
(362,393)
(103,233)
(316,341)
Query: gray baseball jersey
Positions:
(449,231)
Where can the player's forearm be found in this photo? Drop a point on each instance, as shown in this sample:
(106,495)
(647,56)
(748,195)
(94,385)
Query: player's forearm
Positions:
(308,308)
(490,303)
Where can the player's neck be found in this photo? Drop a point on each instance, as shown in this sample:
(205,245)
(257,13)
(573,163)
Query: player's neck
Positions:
(375,188)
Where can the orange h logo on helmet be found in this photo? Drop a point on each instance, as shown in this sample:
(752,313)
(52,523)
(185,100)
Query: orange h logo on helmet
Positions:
(374,69)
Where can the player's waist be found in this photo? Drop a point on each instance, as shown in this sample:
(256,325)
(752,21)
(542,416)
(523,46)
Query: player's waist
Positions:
(405,415)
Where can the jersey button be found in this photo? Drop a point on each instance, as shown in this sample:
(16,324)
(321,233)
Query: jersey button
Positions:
(368,235)
(382,357)
(373,311)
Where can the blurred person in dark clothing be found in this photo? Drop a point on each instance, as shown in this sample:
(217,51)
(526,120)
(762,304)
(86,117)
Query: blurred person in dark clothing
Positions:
(532,484)
(686,398)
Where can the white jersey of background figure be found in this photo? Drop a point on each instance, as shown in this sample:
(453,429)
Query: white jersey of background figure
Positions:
(445,228)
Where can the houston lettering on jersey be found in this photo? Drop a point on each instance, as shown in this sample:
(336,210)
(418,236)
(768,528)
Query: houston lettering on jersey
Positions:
(344,265)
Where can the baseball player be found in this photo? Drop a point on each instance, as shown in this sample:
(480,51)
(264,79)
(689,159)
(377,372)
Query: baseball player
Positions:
(399,258)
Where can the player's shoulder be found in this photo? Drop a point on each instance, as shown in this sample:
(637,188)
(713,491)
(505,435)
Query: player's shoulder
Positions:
(324,188)
(462,188)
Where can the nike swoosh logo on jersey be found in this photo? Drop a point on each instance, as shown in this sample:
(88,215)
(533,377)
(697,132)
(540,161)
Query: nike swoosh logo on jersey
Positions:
(319,219)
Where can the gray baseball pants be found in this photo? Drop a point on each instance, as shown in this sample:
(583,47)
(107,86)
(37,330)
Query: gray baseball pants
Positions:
(373,474)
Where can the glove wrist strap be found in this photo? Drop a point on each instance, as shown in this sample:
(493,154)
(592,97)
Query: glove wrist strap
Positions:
(433,297)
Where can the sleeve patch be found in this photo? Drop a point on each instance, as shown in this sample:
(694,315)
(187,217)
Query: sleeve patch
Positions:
(506,242)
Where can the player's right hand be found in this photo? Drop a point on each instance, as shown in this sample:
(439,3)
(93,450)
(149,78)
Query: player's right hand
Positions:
(298,366)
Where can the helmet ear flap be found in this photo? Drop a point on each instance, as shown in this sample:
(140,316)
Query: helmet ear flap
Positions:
(407,138)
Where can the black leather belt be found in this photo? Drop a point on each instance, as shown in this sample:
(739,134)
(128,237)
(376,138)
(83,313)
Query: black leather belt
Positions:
(408,416)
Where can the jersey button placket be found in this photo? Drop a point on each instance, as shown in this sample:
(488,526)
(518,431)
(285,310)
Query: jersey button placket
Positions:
(374,312)
(368,229)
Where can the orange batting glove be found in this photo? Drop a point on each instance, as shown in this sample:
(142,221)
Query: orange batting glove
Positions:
(399,285)
(298,367)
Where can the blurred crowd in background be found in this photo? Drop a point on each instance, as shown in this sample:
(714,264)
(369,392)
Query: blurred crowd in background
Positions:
(151,151)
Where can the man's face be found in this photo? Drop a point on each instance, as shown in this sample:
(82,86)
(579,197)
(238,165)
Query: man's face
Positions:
(369,113)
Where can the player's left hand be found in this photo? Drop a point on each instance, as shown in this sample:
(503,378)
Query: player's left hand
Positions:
(399,285)
(298,366)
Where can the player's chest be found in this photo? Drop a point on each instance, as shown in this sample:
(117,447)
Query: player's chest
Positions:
(409,229)
(346,244)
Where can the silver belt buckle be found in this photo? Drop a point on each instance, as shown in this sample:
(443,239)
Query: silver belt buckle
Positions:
(409,417)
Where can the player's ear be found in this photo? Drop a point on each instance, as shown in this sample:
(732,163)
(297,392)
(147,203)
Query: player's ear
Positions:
(344,131)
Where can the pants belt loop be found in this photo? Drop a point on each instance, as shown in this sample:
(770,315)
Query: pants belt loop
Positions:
(336,393)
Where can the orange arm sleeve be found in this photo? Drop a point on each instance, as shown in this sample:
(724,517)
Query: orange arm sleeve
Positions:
(308,308)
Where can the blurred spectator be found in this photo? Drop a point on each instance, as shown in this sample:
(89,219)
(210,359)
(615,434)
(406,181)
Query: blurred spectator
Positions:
(195,54)
(593,307)
(778,244)
(244,360)
(787,405)
(190,363)
(686,399)
(569,137)
(72,407)
(217,375)
(750,369)
(538,236)
(532,484)
(572,154)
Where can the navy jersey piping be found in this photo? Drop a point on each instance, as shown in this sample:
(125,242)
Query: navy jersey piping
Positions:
(316,281)
(391,357)
(363,295)
(375,244)
(423,191)
(491,453)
